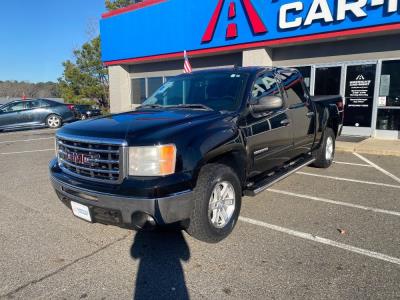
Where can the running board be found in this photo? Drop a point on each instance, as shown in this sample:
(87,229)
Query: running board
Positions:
(257,187)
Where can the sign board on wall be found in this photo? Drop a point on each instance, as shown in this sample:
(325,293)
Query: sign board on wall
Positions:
(164,28)
(360,87)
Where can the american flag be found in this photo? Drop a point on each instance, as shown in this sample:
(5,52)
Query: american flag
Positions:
(187,68)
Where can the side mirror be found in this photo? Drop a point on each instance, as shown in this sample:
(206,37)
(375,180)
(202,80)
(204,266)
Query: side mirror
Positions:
(267,103)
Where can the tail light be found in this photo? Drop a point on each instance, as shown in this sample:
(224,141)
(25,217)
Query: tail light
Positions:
(339,105)
(70,106)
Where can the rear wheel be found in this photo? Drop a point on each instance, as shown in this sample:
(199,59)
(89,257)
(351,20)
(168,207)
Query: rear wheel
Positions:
(84,117)
(325,154)
(217,203)
(54,121)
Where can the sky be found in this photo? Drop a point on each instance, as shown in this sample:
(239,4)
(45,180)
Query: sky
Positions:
(37,36)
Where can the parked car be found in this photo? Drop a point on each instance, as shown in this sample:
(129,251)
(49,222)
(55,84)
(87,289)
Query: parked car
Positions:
(194,148)
(34,113)
(87,111)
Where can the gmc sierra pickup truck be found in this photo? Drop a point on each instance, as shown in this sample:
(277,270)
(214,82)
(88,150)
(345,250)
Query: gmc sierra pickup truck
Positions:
(194,148)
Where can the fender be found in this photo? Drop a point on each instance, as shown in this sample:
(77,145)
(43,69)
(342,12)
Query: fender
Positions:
(229,147)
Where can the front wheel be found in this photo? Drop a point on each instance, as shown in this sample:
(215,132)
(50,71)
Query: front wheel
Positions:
(325,154)
(217,203)
(54,121)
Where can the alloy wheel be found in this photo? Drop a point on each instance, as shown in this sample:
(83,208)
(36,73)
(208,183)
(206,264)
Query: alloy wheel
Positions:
(222,204)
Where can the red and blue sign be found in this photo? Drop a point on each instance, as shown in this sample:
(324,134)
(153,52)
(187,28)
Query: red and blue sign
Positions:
(161,29)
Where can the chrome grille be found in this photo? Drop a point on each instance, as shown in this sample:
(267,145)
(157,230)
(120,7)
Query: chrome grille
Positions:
(97,160)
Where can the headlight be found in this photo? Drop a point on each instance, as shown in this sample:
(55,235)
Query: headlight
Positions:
(152,161)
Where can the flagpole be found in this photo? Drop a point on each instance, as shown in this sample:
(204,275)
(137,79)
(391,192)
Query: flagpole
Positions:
(184,82)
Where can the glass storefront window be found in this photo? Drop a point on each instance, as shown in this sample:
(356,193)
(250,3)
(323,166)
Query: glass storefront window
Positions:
(389,97)
(153,84)
(138,90)
(389,92)
(388,119)
(327,81)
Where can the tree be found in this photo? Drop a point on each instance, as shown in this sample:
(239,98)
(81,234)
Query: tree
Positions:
(115,4)
(86,77)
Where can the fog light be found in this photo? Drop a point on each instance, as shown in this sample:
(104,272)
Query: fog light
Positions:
(141,220)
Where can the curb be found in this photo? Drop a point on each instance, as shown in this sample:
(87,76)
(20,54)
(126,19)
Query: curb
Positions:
(361,150)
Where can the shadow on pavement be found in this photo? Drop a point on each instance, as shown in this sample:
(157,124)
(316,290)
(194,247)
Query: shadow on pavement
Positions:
(160,272)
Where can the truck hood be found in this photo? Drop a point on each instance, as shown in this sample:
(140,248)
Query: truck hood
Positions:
(141,127)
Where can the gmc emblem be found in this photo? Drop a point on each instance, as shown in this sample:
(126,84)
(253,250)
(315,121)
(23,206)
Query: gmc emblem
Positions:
(79,158)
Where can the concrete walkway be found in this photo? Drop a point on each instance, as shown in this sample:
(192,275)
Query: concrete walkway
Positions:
(370,146)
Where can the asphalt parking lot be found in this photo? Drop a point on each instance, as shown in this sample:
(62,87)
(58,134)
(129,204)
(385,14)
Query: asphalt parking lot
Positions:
(321,234)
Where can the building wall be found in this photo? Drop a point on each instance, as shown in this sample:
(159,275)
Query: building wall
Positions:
(367,48)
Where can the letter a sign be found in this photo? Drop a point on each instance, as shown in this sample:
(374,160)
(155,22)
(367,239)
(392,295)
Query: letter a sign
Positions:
(254,19)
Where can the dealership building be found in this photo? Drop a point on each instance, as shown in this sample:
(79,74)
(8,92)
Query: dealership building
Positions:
(342,47)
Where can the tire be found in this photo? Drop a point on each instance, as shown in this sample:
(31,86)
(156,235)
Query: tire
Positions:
(325,154)
(54,121)
(213,225)
(84,117)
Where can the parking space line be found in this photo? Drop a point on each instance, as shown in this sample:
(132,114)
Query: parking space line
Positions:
(27,131)
(350,180)
(351,164)
(377,167)
(32,151)
(378,210)
(28,140)
(310,237)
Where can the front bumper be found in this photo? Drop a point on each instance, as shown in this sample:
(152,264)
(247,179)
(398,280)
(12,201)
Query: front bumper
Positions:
(119,210)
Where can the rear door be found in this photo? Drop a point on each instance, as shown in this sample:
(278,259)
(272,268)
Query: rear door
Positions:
(37,112)
(301,111)
(269,135)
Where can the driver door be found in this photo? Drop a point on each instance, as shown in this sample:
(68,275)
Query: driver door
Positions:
(270,139)
(12,115)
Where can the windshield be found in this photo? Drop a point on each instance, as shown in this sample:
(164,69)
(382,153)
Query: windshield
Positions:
(219,91)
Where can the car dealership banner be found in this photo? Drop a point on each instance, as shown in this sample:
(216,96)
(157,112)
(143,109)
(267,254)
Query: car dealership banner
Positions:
(165,28)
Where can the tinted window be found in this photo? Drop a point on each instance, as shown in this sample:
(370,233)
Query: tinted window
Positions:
(390,83)
(266,85)
(138,90)
(84,107)
(294,88)
(219,90)
(35,104)
(15,107)
(153,84)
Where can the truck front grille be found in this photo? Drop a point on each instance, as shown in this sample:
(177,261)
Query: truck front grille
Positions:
(100,161)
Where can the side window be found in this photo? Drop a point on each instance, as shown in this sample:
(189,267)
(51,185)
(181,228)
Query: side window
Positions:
(266,85)
(294,88)
(15,107)
(34,104)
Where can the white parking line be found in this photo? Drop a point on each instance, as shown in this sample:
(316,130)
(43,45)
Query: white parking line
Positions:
(352,164)
(378,167)
(28,140)
(378,210)
(27,131)
(350,180)
(310,237)
(22,152)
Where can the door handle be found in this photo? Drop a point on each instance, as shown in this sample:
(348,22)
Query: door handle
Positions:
(285,122)
(310,114)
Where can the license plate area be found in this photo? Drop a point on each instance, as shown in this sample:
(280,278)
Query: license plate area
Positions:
(81,211)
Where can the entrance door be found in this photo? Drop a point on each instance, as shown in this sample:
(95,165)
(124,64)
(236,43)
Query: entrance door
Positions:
(327,80)
(359,94)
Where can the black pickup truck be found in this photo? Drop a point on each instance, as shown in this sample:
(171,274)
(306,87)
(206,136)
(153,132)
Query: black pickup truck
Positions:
(194,148)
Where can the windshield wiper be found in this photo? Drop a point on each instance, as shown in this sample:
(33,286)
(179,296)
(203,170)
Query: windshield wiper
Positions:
(150,106)
(193,106)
